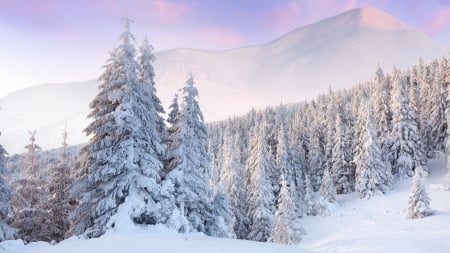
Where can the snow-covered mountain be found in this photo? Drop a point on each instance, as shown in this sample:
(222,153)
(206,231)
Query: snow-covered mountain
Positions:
(337,52)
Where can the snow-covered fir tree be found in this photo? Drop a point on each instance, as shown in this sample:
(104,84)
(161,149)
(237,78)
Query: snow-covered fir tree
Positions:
(232,179)
(6,232)
(383,113)
(59,203)
(121,159)
(418,201)
(327,189)
(405,132)
(260,198)
(147,78)
(373,177)
(342,167)
(283,159)
(189,164)
(32,220)
(222,220)
(310,202)
(438,105)
(316,159)
(286,228)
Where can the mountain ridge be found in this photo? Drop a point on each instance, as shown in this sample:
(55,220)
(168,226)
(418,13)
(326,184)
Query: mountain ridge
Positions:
(338,51)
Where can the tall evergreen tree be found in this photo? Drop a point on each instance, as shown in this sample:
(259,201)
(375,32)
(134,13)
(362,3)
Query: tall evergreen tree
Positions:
(437,120)
(316,159)
(383,114)
(405,133)
(372,175)
(189,163)
(327,189)
(233,180)
(222,221)
(6,232)
(147,78)
(121,158)
(286,228)
(290,171)
(260,198)
(342,156)
(310,202)
(59,203)
(31,219)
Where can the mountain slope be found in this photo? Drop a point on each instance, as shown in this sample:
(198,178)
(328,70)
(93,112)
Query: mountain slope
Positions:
(339,52)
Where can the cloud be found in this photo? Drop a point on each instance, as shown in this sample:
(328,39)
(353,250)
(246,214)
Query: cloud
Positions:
(295,13)
(170,10)
(220,37)
(53,14)
(32,14)
(439,21)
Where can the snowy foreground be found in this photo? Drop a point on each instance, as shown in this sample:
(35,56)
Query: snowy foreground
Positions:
(354,225)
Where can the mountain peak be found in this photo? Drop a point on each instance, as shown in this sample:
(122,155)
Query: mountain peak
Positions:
(378,19)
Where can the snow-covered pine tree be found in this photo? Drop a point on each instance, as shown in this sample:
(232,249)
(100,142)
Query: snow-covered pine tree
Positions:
(405,132)
(447,115)
(293,153)
(121,158)
(59,203)
(383,114)
(310,202)
(437,120)
(232,179)
(372,175)
(330,123)
(418,201)
(6,232)
(189,163)
(31,219)
(282,156)
(32,160)
(342,155)
(222,222)
(427,101)
(327,189)
(147,78)
(260,195)
(286,228)
(316,158)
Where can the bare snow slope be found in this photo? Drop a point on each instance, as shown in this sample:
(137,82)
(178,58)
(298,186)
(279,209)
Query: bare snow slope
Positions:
(339,52)
(380,224)
(352,225)
(151,240)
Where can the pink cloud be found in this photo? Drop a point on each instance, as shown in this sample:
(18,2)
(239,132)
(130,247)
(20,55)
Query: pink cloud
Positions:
(220,36)
(301,12)
(283,17)
(169,10)
(440,20)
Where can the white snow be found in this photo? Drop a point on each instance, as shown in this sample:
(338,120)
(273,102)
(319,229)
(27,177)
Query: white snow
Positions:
(353,225)
(156,239)
(380,224)
(338,52)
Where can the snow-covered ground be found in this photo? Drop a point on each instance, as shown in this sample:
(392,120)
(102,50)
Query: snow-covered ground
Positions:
(151,240)
(354,225)
(380,224)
